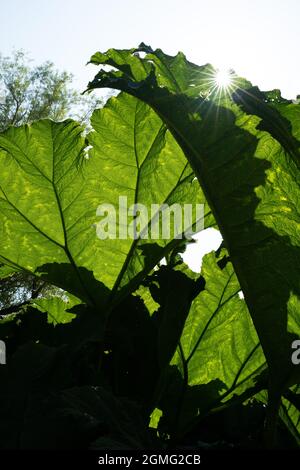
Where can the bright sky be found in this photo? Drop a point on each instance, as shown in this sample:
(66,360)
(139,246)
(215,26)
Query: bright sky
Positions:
(259,39)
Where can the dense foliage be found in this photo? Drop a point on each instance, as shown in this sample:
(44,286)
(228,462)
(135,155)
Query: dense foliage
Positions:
(28,93)
(137,354)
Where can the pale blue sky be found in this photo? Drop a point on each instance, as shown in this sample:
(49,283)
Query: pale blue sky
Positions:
(258,38)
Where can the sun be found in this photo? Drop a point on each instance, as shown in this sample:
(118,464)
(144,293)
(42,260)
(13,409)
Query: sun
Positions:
(223,79)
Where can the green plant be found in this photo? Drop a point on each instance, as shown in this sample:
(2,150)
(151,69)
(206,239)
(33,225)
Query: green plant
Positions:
(29,93)
(138,354)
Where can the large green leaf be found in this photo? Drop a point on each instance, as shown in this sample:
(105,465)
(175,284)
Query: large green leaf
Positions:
(219,358)
(219,340)
(249,176)
(141,160)
(49,195)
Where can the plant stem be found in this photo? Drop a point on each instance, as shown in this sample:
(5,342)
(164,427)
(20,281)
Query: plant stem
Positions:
(270,432)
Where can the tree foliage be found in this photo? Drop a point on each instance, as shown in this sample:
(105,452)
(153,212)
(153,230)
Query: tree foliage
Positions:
(32,92)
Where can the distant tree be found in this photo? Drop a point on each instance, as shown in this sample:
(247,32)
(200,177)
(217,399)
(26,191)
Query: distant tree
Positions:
(29,93)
